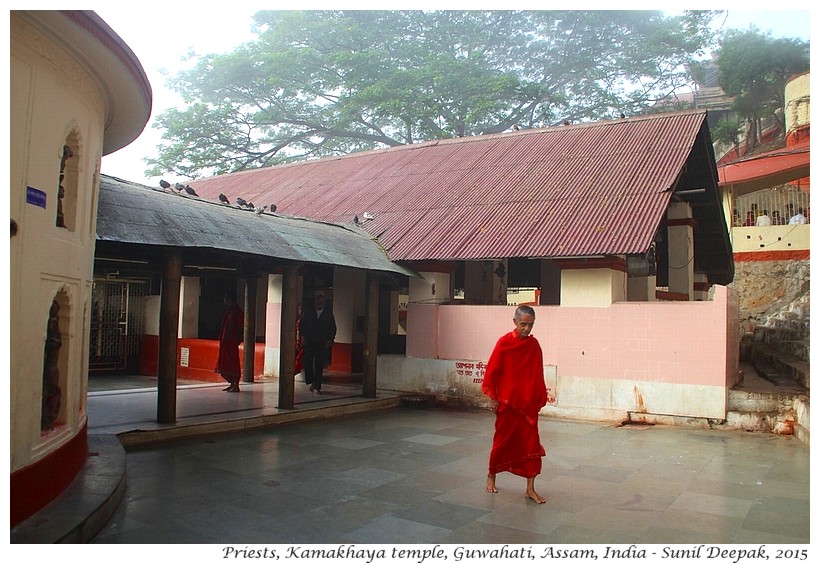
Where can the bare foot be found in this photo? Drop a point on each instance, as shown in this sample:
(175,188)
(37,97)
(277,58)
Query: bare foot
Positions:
(491,484)
(533,495)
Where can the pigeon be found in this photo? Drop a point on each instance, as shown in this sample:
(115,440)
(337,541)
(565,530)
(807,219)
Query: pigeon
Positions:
(368,216)
(250,205)
(179,187)
(224,199)
(164,184)
(191,191)
(260,211)
(241,202)
(355,219)
(272,208)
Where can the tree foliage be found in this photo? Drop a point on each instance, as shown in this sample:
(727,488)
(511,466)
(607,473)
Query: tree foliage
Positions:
(324,83)
(754,69)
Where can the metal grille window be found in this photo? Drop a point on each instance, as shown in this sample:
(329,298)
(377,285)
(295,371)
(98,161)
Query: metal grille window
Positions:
(780,204)
(117,323)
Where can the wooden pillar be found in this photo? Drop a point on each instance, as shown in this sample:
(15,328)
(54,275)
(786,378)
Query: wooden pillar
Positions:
(249,334)
(287,344)
(168,328)
(371,336)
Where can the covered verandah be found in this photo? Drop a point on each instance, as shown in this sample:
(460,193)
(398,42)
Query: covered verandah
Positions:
(164,235)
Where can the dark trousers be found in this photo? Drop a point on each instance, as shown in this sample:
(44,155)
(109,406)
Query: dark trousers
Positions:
(314,360)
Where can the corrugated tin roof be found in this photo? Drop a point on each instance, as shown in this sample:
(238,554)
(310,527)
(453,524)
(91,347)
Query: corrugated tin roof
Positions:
(579,190)
(137,214)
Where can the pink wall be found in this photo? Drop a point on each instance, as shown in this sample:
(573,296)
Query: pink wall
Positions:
(692,343)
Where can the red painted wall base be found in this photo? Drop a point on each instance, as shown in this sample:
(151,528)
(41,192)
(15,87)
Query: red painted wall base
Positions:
(36,485)
(200,357)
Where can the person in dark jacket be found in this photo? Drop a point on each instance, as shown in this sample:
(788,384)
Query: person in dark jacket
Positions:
(317,330)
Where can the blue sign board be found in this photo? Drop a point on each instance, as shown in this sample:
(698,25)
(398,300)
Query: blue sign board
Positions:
(35,197)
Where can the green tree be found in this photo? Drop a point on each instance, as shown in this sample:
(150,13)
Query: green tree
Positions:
(326,83)
(754,69)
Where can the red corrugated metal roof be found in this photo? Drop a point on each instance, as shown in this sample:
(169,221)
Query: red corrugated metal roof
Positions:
(578,190)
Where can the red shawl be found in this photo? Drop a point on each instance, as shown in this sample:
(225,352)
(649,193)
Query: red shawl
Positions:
(515,375)
(230,335)
(515,378)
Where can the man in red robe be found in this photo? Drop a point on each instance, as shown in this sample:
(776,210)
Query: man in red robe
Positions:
(514,378)
(230,335)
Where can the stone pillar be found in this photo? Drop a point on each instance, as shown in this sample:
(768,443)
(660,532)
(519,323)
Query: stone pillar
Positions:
(701,287)
(478,282)
(592,282)
(681,266)
(593,287)
(499,276)
(641,288)
(550,283)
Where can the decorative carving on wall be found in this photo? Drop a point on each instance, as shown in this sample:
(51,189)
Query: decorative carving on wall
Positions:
(51,371)
(67,154)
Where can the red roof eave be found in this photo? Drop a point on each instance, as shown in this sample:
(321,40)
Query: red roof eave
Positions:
(765,170)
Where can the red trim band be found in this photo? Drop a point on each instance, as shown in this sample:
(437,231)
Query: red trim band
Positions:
(802,254)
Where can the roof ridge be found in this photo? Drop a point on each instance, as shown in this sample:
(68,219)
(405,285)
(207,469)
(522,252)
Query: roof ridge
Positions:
(473,139)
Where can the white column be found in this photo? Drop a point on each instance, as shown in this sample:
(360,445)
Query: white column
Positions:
(273,323)
(348,304)
(189,308)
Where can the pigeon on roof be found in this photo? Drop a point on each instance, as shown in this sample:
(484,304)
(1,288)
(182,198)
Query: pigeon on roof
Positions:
(260,211)
(179,187)
(164,184)
(191,191)
(241,201)
(356,219)
(224,199)
(273,208)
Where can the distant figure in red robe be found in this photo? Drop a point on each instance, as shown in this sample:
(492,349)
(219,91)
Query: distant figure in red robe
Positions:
(230,335)
(515,379)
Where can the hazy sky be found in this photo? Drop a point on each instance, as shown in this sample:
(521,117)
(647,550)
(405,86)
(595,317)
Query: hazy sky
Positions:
(161,34)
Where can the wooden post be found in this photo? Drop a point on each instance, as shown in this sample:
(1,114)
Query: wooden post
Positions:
(287,343)
(168,329)
(371,336)
(249,334)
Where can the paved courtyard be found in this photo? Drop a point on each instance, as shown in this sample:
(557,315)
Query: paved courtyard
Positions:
(406,476)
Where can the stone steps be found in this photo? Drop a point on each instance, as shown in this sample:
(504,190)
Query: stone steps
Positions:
(770,399)
(780,367)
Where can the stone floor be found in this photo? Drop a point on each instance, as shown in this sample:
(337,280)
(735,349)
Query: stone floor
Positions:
(406,476)
(340,470)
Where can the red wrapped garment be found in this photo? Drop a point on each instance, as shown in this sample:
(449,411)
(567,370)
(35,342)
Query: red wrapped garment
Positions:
(515,378)
(230,335)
